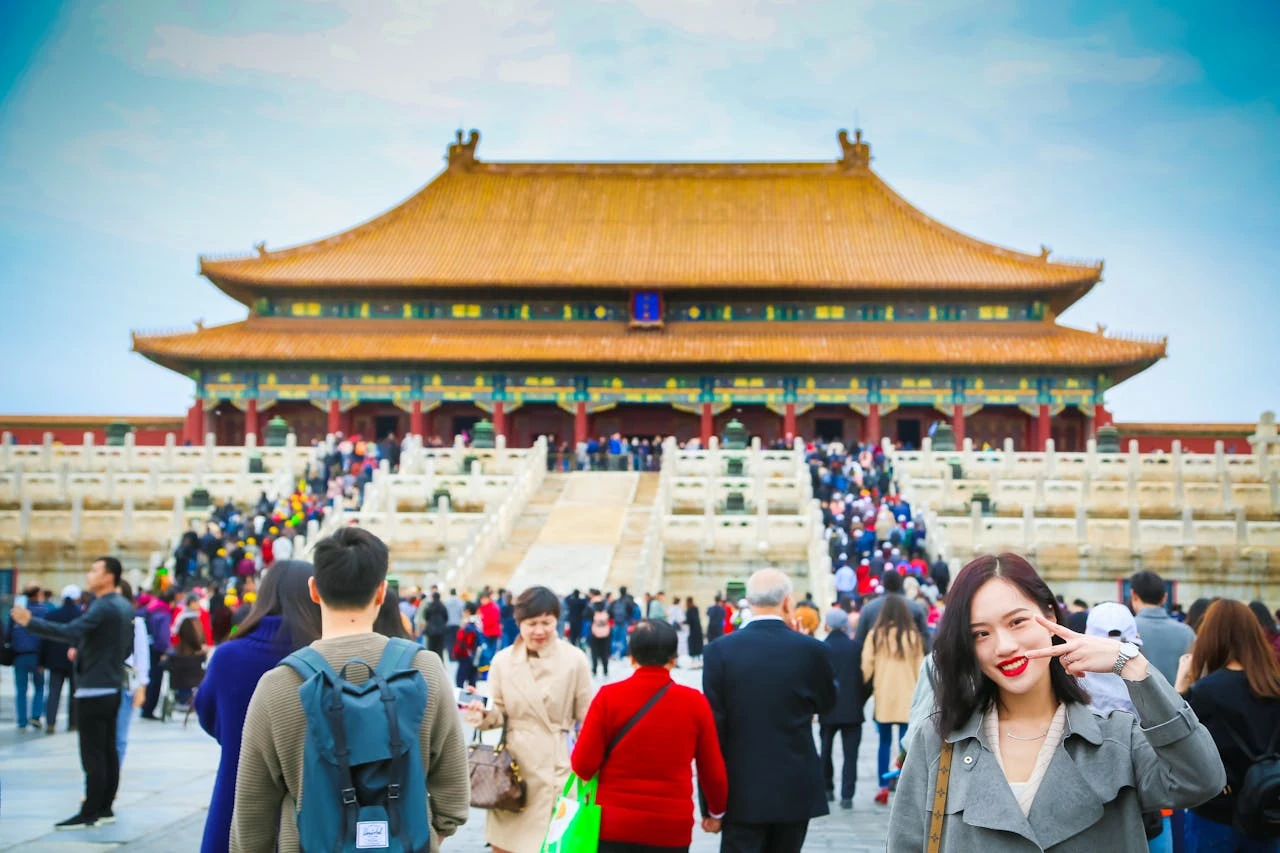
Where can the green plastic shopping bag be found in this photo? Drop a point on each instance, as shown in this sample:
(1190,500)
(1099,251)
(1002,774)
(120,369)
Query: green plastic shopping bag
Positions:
(575,820)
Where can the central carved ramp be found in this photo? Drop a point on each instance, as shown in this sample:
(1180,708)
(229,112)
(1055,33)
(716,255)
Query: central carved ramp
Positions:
(575,546)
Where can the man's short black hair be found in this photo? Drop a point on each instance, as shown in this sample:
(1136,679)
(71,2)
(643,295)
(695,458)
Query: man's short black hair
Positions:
(892,580)
(653,643)
(1148,586)
(1080,602)
(113,566)
(350,566)
(536,601)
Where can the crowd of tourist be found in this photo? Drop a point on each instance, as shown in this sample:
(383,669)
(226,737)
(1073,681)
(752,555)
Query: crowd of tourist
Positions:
(1153,730)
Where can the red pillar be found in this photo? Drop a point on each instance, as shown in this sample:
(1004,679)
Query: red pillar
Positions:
(1102,417)
(415,419)
(705,434)
(251,420)
(499,418)
(789,422)
(194,423)
(957,424)
(208,424)
(579,422)
(873,423)
(1043,429)
(335,417)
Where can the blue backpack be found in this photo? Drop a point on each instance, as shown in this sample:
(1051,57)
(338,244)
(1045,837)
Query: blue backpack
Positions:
(363,781)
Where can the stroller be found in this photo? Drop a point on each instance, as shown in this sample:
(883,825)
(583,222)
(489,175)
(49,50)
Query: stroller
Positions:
(186,670)
(185,674)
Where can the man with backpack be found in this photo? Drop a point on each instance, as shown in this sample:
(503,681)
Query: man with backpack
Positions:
(353,742)
(622,612)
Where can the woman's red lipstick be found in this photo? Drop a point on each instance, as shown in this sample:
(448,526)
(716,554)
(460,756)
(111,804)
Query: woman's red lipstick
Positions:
(1014,671)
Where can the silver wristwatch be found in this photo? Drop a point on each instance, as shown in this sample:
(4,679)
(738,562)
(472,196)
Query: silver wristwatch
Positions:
(1128,651)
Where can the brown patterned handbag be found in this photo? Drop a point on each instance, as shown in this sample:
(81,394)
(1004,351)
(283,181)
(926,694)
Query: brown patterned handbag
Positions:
(496,782)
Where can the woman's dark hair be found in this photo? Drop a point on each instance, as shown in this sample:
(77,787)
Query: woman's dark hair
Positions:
(1260,612)
(961,687)
(653,643)
(896,623)
(1230,633)
(536,601)
(390,621)
(1195,613)
(126,591)
(284,592)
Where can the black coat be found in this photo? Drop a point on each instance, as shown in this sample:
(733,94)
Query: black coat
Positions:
(764,683)
(694,618)
(53,654)
(715,622)
(851,690)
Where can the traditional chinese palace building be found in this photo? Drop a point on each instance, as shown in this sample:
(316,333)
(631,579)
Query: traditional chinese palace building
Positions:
(801,298)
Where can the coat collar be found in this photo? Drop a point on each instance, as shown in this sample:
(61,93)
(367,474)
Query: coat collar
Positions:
(521,679)
(1066,804)
(1080,721)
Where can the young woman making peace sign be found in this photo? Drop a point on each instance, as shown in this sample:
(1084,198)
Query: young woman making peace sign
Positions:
(1033,768)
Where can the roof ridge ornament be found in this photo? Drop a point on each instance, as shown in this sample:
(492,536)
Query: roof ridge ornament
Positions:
(855,154)
(1045,252)
(462,155)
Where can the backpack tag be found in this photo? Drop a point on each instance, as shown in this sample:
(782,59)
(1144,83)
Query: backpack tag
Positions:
(372,835)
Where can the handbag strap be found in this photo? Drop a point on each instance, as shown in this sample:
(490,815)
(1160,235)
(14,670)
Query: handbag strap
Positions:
(635,718)
(939,811)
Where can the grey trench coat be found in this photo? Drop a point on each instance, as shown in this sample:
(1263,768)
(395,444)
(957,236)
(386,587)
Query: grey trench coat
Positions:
(1107,771)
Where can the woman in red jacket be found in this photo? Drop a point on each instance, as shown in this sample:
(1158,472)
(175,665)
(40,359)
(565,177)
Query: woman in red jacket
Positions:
(645,787)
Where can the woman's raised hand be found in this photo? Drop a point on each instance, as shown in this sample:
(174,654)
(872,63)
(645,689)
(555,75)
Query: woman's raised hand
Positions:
(1081,653)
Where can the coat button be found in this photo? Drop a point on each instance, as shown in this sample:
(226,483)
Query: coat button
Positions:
(968,759)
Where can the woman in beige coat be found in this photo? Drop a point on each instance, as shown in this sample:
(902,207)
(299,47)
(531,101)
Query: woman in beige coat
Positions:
(540,687)
(891,656)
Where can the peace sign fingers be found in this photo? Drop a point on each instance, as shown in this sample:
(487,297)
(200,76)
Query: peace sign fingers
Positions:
(1055,628)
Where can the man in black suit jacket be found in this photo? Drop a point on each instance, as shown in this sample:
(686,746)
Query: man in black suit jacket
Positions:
(846,718)
(715,620)
(765,682)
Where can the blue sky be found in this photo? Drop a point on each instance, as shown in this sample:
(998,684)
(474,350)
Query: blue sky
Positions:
(138,134)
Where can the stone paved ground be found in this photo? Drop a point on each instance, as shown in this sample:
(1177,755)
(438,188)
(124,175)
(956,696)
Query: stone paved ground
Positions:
(168,774)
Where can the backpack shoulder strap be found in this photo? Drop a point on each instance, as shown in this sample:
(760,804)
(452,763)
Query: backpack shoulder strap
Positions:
(397,655)
(308,662)
(1248,753)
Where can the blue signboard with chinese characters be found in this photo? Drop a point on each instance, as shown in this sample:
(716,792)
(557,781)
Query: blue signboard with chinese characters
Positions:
(646,308)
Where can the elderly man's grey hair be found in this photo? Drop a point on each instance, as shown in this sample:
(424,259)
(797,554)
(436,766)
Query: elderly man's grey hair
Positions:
(768,588)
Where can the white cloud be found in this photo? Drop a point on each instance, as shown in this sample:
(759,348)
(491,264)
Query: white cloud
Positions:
(551,70)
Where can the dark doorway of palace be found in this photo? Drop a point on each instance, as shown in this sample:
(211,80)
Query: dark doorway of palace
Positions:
(385,425)
(464,424)
(908,433)
(828,429)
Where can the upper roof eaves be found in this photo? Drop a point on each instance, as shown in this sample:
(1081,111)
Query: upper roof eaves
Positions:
(665,225)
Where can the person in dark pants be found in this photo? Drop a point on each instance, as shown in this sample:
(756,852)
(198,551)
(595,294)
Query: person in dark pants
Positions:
(55,659)
(845,719)
(159,628)
(765,683)
(599,641)
(103,637)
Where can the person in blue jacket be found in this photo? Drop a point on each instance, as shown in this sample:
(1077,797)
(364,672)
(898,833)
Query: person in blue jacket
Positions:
(27,668)
(283,619)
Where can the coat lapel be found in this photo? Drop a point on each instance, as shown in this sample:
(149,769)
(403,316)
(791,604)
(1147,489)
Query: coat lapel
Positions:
(985,797)
(522,682)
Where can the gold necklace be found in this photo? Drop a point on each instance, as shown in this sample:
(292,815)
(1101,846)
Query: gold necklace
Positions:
(1034,737)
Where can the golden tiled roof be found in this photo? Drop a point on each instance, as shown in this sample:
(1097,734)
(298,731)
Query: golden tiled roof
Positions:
(662,225)
(497,342)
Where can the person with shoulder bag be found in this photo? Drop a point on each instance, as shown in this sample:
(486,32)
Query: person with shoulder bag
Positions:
(540,687)
(1014,759)
(1237,697)
(639,740)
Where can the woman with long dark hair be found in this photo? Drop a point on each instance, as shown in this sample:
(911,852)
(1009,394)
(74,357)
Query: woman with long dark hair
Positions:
(283,620)
(694,617)
(1030,766)
(891,658)
(1237,695)
(1268,623)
